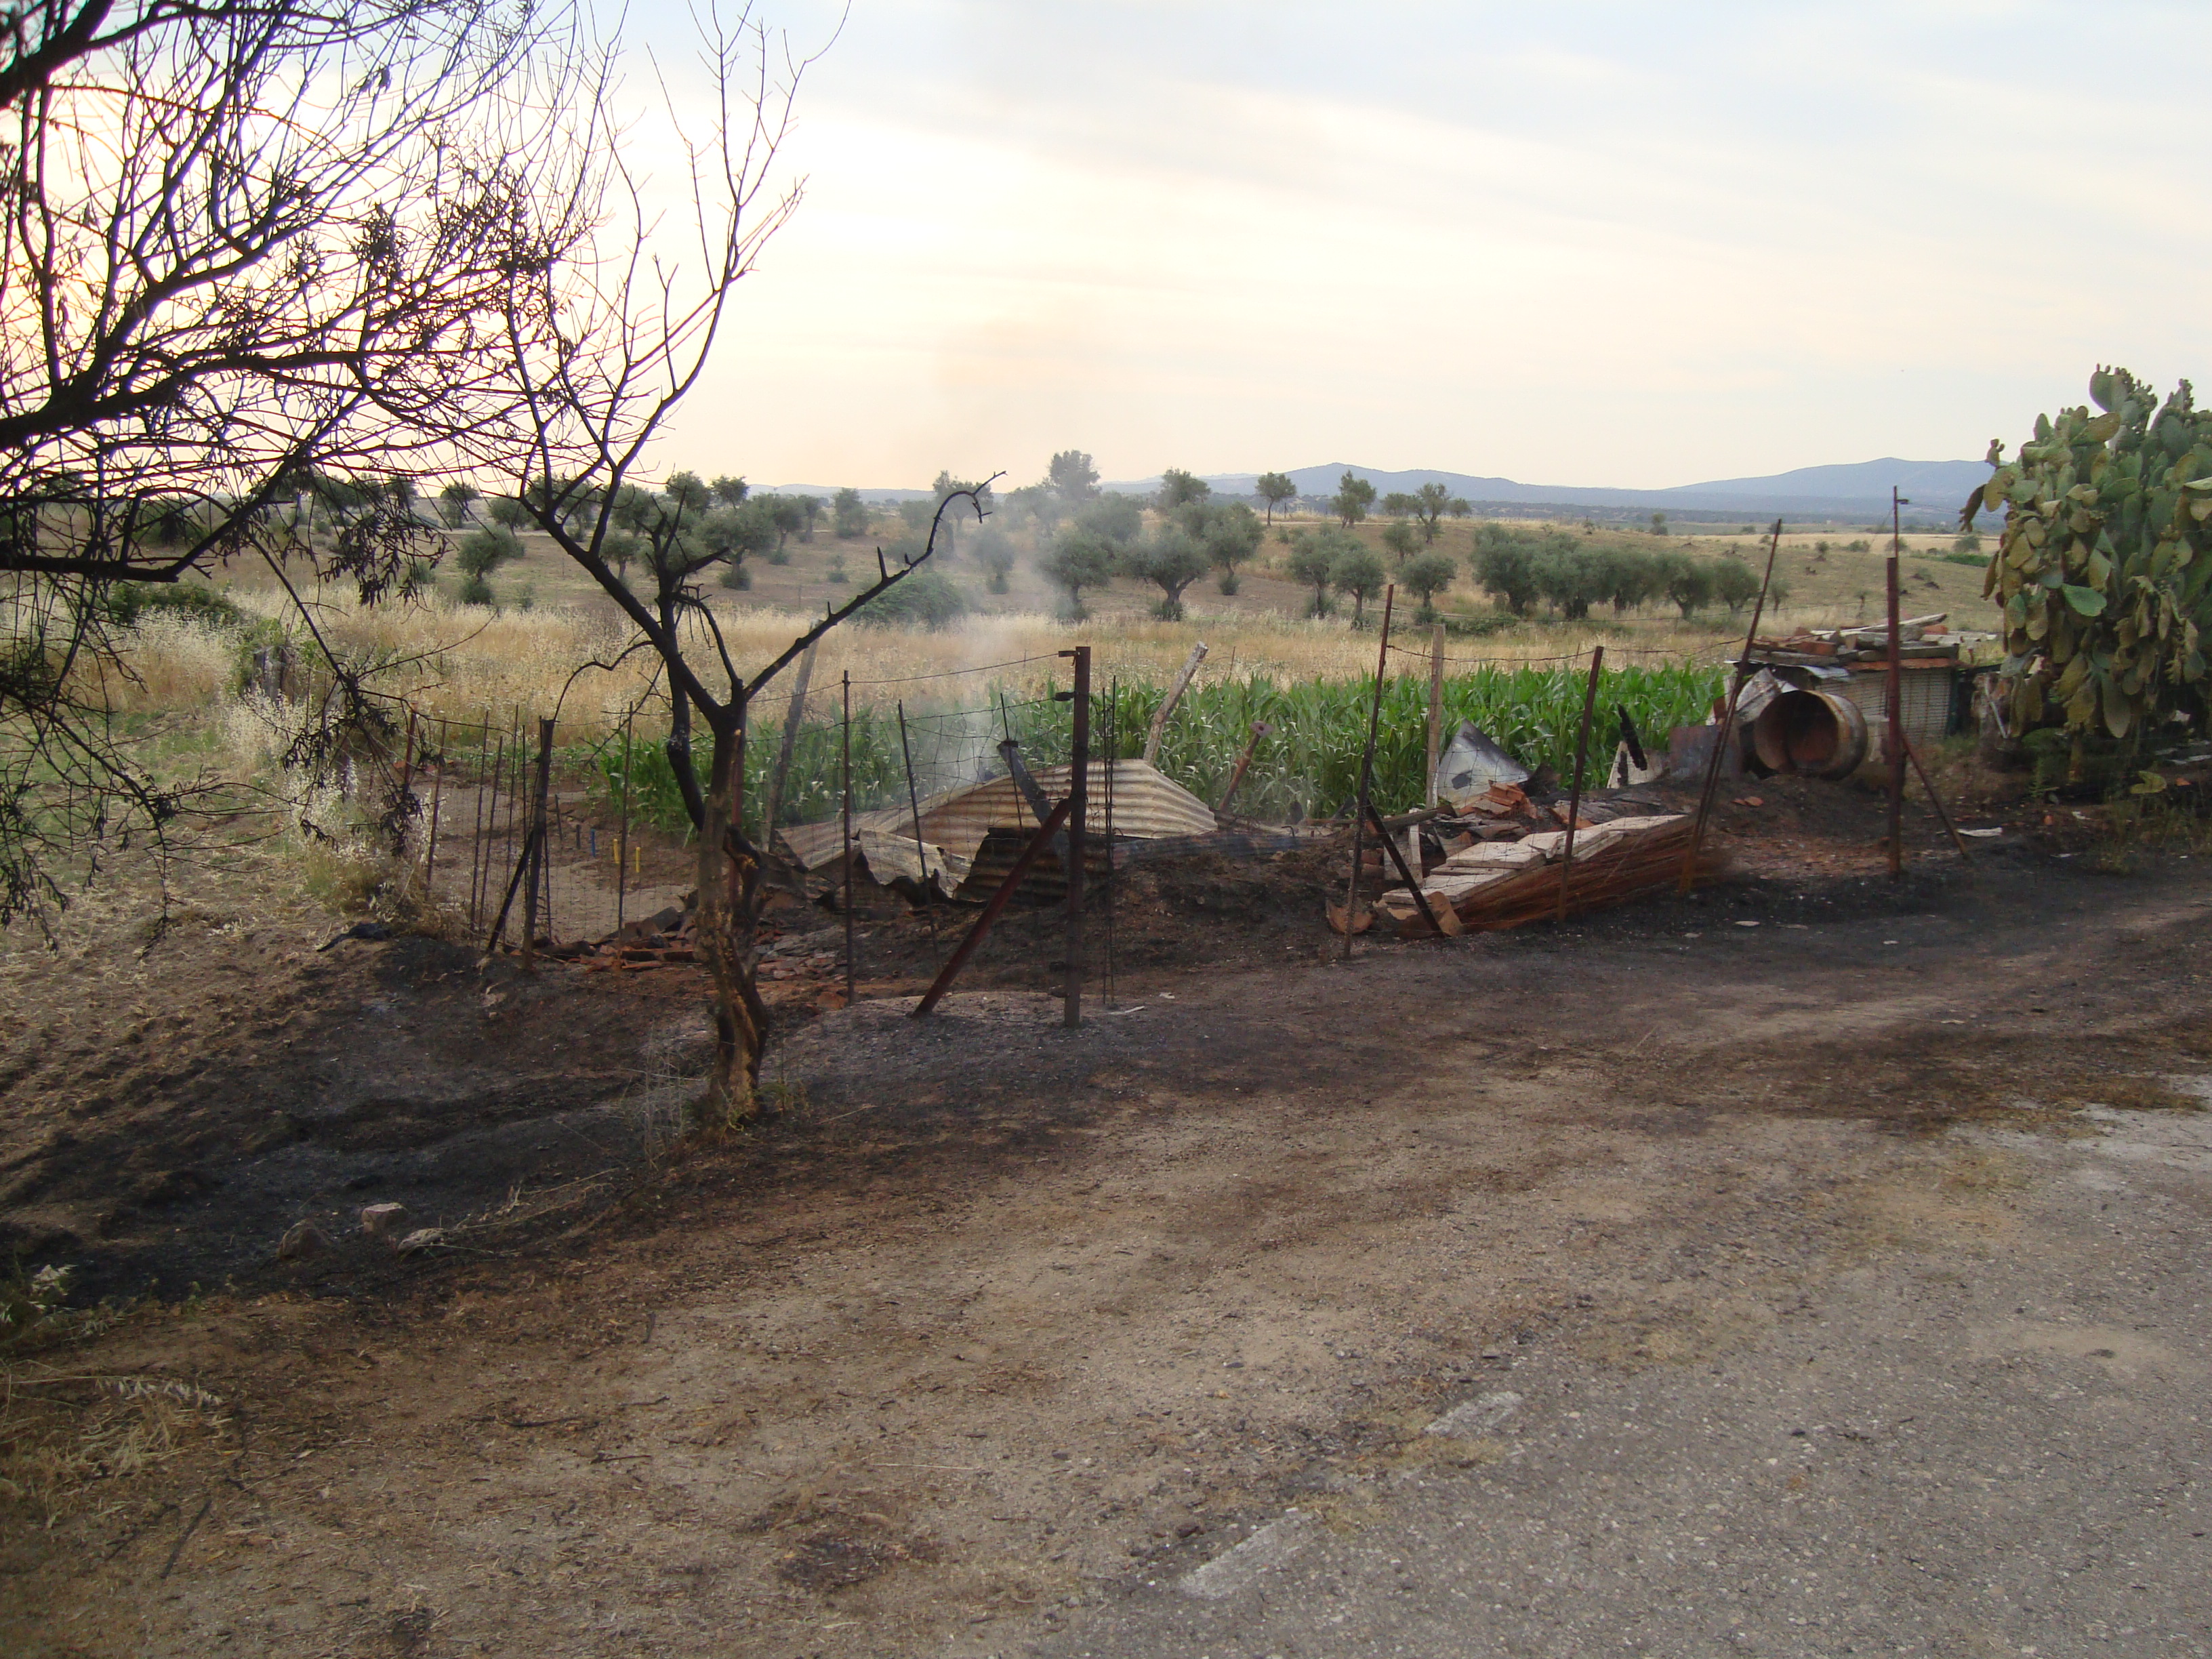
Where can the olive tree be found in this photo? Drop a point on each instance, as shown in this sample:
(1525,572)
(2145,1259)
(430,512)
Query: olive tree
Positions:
(1432,503)
(1354,496)
(1504,565)
(1358,573)
(246,249)
(1425,577)
(1171,559)
(1310,561)
(1080,558)
(1071,473)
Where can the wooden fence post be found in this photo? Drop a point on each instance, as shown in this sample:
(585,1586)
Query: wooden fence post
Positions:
(1175,688)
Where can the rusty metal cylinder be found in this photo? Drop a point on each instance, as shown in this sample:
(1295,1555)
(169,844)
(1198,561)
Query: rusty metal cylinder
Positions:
(1815,733)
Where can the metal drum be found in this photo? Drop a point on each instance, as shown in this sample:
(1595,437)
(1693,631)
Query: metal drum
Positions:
(1810,732)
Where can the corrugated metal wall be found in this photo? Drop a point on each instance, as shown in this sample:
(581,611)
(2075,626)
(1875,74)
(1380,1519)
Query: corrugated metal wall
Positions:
(1926,692)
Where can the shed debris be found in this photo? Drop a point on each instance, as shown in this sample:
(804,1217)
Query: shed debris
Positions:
(1471,765)
(970,834)
(1496,884)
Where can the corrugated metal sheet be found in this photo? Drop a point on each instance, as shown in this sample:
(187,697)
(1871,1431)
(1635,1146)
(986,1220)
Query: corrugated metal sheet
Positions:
(891,855)
(1145,805)
(1046,882)
(1925,690)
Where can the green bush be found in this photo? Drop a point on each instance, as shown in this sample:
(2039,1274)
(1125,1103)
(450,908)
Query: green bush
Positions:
(922,598)
(1480,624)
(266,635)
(126,605)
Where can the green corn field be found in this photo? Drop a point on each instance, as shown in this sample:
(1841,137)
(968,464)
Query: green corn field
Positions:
(1307,764)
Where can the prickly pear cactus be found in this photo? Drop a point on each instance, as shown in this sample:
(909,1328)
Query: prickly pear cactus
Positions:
(2105,567)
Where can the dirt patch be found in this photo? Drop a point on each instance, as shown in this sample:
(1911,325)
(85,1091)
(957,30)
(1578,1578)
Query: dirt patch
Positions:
(996,1316)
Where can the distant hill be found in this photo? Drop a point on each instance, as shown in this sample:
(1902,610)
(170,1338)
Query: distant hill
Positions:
(1858,490)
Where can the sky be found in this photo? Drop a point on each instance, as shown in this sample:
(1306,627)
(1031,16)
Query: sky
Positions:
(1634,244)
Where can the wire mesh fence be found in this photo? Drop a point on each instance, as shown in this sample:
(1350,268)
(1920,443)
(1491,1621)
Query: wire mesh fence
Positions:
(616,825)
(478,786)
(616,832)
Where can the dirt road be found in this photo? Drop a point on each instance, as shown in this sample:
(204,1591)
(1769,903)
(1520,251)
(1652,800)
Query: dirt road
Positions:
(1003,1334)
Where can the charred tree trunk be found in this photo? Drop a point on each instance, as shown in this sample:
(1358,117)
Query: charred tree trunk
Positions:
(723,923)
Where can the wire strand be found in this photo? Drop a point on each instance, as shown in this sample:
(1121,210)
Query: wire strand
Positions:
(954,673)
(1539,662)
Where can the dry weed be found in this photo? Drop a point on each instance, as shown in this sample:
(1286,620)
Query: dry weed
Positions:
(60,1433)
(464,663)
(2141,1094)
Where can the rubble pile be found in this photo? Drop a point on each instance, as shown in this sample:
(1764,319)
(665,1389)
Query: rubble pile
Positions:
(1499,860)
(655,941)
(1919,640)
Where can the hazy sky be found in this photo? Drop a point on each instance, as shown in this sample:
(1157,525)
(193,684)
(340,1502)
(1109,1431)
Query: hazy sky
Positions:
(1633,245)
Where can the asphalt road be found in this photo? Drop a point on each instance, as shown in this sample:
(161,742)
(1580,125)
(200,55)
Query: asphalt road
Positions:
(1999,1452)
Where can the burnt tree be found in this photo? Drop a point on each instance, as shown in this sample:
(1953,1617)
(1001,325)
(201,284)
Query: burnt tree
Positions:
(604,349)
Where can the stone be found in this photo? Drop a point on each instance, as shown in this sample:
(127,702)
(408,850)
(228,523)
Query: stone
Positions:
(302,1240)
(1267,1550)
(1472,1418)
(377,1220)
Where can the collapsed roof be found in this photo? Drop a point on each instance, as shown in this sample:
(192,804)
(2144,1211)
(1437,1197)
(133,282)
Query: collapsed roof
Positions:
(1147,805)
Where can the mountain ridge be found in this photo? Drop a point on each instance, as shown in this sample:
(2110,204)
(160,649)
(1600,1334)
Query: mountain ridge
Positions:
(1839,490)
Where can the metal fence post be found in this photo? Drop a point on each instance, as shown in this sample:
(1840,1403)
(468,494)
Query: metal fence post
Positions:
(535,850)
(852,974)
(1366,776)
(622,830)
(437,791)
(1575,791)
(921,854)
(1894,701)
(1079,791)
(1436,711)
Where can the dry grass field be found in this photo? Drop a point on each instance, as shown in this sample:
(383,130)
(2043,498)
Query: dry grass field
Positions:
(462,661)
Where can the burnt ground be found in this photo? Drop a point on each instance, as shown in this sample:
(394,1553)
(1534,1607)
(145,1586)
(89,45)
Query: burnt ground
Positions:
(993,1326)
(181,1091)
